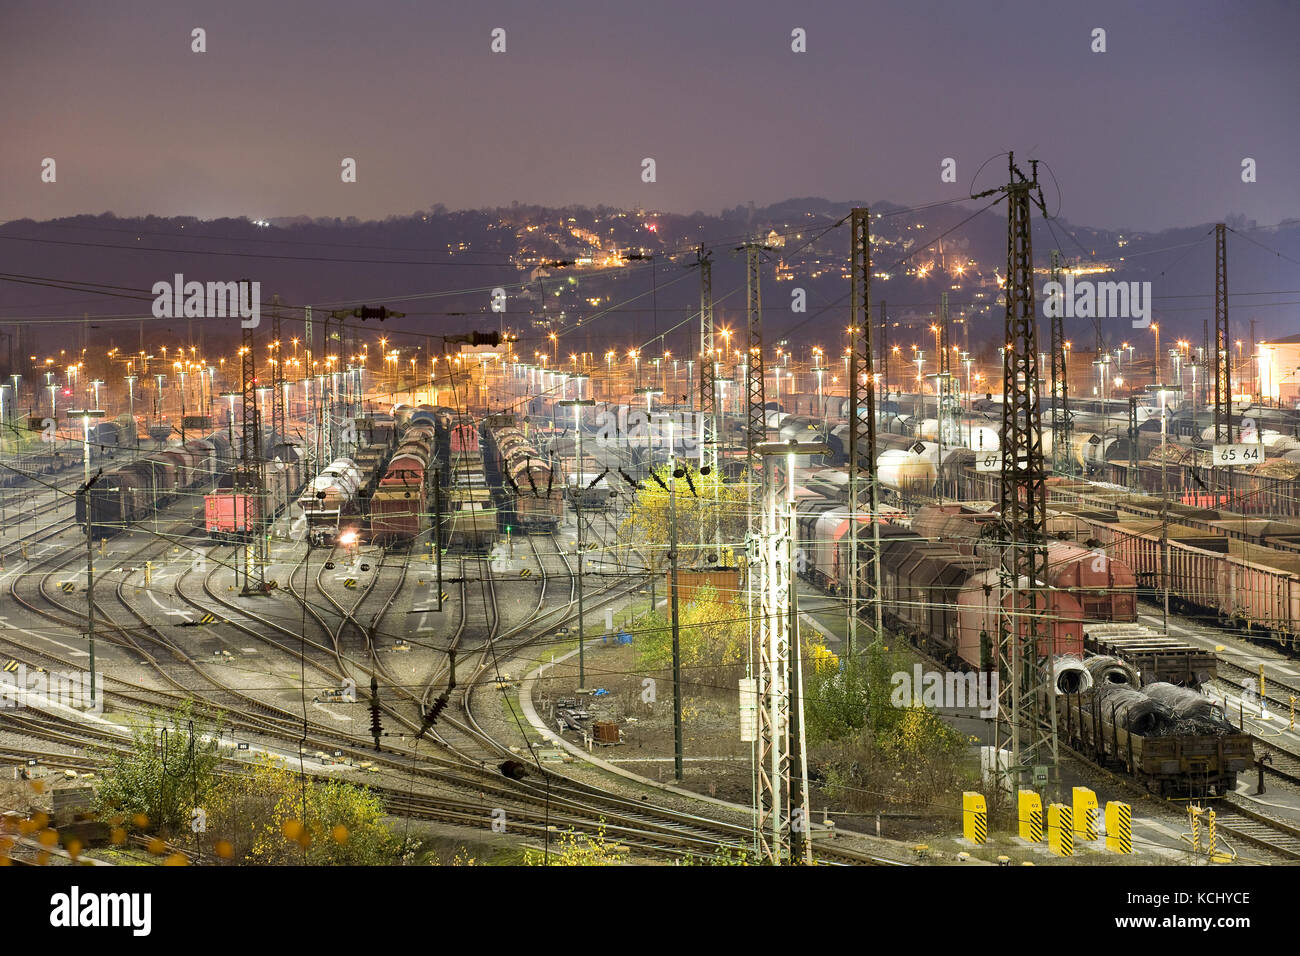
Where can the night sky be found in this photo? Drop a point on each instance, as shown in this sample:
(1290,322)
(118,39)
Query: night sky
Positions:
(1147,135)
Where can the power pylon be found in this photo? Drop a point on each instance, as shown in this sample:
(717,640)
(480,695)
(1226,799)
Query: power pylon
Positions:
(1024,609)
(863,489)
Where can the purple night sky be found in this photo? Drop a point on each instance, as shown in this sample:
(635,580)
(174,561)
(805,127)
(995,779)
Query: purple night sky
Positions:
(1148,135)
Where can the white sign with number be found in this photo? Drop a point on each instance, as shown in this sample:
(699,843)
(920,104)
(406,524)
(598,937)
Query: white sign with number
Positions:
(1226,456)
(988,461)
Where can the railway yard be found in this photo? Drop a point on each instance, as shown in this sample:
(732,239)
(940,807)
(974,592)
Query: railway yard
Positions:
(407,622)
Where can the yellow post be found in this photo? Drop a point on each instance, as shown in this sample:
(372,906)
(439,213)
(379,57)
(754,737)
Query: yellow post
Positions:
(148,572)
(1031,816)
(1209,833)
(1263,704)
(974,817)
(1194,816)
(1119,827)
(1085,813)
(1060,830)
(1293,711)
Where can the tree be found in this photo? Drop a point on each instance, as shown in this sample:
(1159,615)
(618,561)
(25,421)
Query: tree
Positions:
(708,509)
(579,849)
(168,769)
(712,634)
(840,701)
(271,815)
(873,753)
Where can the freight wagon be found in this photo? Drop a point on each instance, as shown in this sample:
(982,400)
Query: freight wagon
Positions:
(470,518)
(400,505)
(1224,580)
(527,484)
(233,514)
(1174,741)
(1104,585)
(135,491)
(951,604)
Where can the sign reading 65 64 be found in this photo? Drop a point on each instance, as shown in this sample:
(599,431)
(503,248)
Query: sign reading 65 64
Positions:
(1229,455)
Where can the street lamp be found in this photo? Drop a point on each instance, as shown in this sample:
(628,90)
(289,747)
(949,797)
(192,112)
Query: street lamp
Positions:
(130,392)
(86,414)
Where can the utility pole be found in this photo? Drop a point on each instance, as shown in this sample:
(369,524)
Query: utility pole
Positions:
(437,530)
(1061,425)
(578,404)
(673,471)
(1024,501)
(884,351)
(1132,443)
(863,489)
(90,582)
(1254,368)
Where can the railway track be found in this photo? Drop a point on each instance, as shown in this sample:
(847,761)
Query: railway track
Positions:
(537,807)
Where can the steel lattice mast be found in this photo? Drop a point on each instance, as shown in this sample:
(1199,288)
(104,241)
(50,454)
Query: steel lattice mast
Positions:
(863,490)
(1024,607)
(277,381)
(771,767)
(783,770)
(1221,347)
(1061,426)
(708,371)
(309,453)
(249,477)
(947,405)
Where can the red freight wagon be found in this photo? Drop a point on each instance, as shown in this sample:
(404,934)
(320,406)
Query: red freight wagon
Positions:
(229,513)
